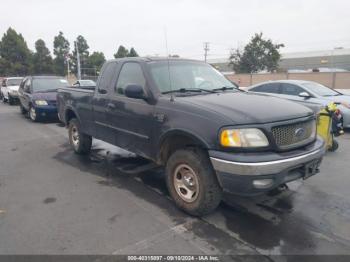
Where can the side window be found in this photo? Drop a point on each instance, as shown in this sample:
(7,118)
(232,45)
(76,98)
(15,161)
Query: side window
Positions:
(290,89)
(131,73)
(27,86)
(268,88)
(21,86)
(106,78)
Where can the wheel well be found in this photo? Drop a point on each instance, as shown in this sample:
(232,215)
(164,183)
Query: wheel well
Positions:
(69,115)
(176,142)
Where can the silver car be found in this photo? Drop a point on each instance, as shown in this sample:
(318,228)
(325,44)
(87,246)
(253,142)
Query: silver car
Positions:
(311,94)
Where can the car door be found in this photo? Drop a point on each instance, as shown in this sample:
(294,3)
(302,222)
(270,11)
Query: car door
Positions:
(292,92)
(26,96)
(104,89)
(131,119)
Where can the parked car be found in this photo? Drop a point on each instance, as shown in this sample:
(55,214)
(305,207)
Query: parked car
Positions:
(9,89)
(37,95)
(86,84)
(210,137)
(311,94)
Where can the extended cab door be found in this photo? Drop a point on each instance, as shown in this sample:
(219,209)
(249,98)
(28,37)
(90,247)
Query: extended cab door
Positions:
(104,89)
(130,119)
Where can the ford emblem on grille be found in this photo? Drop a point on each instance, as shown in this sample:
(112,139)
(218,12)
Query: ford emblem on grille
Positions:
(300,132)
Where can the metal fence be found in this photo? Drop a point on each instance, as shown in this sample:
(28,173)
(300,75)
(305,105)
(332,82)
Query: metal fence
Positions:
(336,80)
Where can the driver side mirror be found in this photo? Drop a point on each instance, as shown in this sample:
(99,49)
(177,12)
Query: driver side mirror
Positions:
(134,91)
(304,95)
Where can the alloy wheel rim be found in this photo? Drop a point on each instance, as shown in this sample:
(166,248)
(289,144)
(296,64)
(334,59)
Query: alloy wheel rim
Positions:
(32,113)
(186,183)
(75,136)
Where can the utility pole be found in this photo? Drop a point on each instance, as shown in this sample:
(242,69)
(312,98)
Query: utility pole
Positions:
(206,49)
(78,61)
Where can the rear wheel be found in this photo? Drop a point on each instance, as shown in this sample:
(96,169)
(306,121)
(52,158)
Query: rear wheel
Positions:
(192,182)
(4,99)
(80,142)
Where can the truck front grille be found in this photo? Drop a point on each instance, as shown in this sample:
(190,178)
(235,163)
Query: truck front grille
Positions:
(293,135)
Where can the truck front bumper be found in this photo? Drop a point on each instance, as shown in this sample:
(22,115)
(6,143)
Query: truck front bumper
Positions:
(256,173)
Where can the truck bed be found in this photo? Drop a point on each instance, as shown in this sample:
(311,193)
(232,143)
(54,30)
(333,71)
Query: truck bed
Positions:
(78,100)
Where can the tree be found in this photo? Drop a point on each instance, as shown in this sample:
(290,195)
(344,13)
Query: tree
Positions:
(96,60)
(83,49)
(132,53)
(122,52)
(14,53)
(61,49)
(258,55)
(42,60)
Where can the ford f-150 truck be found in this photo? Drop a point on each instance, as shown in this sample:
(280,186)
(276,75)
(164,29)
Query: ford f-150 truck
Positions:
(186,116)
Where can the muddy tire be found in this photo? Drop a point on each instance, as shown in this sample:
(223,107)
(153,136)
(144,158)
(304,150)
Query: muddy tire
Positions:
(80,142)
(192,182)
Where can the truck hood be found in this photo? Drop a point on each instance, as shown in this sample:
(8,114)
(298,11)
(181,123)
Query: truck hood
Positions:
(248,108)
(48,96)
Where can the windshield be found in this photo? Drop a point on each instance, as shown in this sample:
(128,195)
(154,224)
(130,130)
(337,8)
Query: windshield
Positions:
(14,82)
(320,90)
(43,84)
(187,75)
(87,83)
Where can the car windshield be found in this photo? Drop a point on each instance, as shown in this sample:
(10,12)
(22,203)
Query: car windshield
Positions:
(187,76)
(46,84)
(320,90)
(14,82)
(87,83)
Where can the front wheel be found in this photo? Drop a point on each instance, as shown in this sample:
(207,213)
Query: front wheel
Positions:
(192,182)
(80,142)
(33,115)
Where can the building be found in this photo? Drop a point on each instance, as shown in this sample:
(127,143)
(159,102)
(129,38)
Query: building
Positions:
(325,61)
(329,60)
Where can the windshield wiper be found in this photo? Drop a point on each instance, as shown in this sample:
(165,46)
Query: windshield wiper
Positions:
(185,90)
(224,88)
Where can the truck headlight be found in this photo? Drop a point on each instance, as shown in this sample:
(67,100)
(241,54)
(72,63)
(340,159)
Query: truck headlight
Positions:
(40,102)
(245,137)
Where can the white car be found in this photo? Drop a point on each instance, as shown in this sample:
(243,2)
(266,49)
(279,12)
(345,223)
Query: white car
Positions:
(9,89)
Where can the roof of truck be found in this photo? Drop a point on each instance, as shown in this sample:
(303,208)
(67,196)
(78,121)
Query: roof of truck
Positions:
(156,58)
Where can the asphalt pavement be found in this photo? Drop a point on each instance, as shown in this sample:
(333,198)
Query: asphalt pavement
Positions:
(53,201)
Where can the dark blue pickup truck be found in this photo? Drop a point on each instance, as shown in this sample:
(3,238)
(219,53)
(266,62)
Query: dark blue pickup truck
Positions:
(184,115)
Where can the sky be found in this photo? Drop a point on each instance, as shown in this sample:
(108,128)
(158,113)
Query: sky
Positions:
(302,25)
